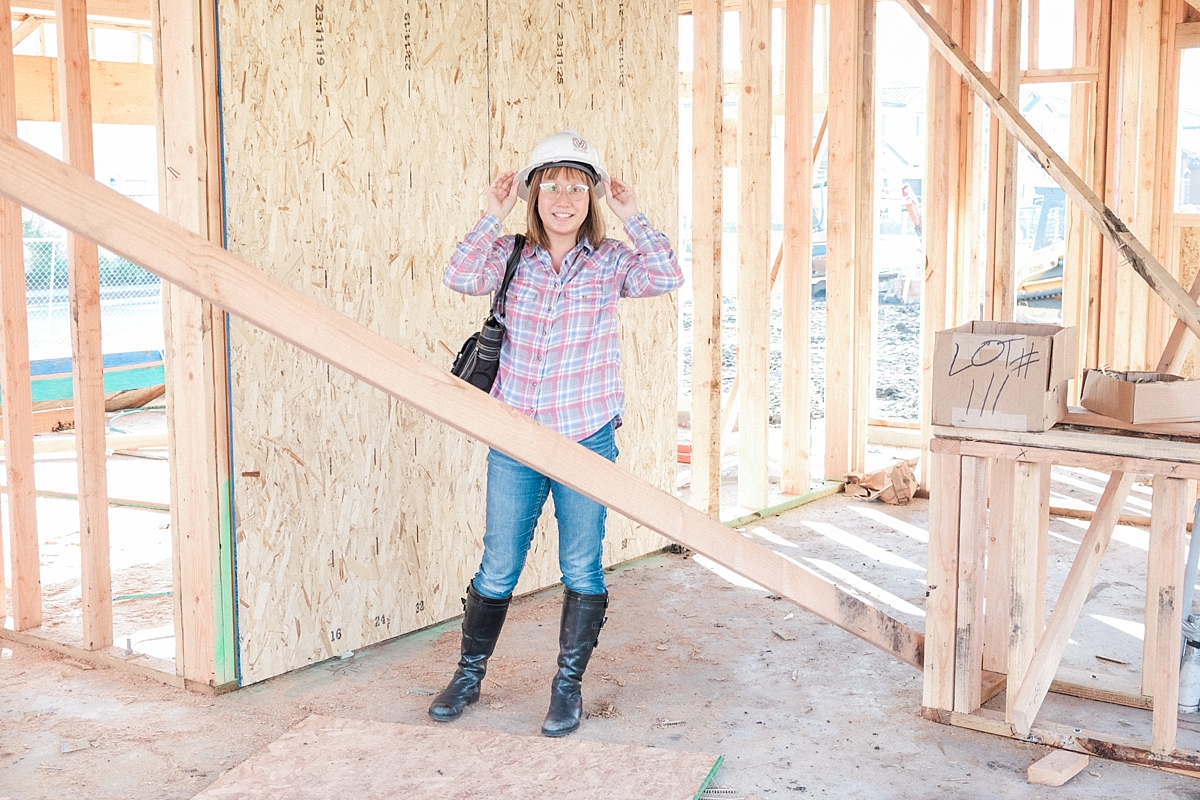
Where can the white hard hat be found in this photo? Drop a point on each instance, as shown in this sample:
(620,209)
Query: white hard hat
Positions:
(565,149)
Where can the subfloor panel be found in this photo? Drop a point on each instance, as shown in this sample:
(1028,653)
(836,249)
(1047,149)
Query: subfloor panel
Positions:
(327,757)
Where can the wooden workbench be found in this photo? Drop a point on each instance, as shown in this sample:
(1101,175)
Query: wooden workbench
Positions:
(971,655)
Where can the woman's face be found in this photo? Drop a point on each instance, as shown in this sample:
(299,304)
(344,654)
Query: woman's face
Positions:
(563,212)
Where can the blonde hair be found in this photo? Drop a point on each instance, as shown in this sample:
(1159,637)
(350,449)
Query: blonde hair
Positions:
(592,228)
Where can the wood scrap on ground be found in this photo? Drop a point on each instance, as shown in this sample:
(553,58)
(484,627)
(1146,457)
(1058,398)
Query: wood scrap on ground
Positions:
(895,485)
(1057,768)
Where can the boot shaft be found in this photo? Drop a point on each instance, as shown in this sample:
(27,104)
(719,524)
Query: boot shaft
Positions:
(583,615)
(483,617)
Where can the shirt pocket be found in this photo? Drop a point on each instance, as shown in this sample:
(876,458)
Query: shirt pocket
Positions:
(588,303)
(523,299)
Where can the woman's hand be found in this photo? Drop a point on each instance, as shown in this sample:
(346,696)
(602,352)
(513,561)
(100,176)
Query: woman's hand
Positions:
(502,195)
(621,198)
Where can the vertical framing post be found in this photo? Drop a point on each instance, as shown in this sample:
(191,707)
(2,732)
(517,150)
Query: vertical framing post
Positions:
(942,201)
(708,101)
(1136,133)
(999,567)
(972,548)
(941,606)
(849,282)
(754,246)
(87,365)
(14,367)
(195,363)
(1002,174)
(1025,623)
(1077,296)
(1164,611)
(797,242)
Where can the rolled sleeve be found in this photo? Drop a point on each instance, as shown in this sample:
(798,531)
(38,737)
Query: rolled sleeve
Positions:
(651,269)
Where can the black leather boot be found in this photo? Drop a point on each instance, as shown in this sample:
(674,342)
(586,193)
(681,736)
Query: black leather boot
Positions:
(582,619)
(482,621)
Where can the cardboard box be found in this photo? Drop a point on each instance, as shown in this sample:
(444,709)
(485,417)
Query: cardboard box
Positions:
(1005,376)
(1141,397)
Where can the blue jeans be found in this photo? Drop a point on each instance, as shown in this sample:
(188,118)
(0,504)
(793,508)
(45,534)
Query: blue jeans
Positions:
(515,496)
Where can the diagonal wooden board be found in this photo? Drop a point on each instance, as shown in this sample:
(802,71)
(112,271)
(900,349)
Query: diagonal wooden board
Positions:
(324,757)
(80,204)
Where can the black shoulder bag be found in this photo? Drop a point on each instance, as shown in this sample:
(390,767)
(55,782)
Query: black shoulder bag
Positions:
(479,357)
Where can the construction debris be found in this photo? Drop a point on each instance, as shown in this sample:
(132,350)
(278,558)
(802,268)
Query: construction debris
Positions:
(895,485)
(1057,768)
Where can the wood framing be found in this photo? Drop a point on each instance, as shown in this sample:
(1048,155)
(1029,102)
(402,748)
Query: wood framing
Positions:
(87,366)
(1033,655)
(708,111)
(196,365)
(92,210)
(941,604)
(121,93)
(24,560)
(1129,246)
(850,291)
(118,9)
(972,549)
(754,251)
(1050,648)
(942,207)
(797,244)
(1002,171)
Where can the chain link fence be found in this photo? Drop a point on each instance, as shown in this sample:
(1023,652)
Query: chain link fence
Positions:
(130,301)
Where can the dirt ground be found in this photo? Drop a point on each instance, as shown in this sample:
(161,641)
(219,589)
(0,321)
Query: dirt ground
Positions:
(690,659)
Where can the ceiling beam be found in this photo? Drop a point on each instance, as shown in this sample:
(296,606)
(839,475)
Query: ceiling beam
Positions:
(120,9)
(122,93)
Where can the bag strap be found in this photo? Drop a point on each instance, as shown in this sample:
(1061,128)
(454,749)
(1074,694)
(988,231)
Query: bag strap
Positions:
(513,260)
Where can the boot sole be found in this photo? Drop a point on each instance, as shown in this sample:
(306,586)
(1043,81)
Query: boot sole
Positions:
(559,734)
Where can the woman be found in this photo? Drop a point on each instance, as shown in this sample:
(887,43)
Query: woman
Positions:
(560,364)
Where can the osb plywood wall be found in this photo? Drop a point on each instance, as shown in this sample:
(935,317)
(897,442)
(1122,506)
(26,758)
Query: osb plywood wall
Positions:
(359,137)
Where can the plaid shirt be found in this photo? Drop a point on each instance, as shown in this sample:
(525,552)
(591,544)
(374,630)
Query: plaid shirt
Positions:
(561,359)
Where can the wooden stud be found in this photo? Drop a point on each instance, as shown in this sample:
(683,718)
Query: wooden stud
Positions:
(797,244)
(941,212)
(1043,549)
(972,549)
(1053,644)
(94,211)
(1131,248)
(25,563)
(195,360)
(1033,34)
(1002,173)
(754,251)
(708,105)
(941,620)
(1077,284)
(1000,521)
(1164,191)
(1025,625)
(1164,611)
(866,297)
(849,290)
(87,365)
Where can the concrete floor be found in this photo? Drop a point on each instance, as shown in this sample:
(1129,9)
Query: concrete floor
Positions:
(690,659)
